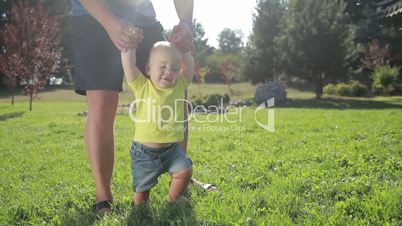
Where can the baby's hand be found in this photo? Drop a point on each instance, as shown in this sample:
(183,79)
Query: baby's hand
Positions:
(136,36)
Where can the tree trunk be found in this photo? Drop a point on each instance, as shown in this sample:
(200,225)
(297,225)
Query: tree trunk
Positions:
(318,86)
(289,78)
(199,91)
(11,89)
(30,101)
(230,90)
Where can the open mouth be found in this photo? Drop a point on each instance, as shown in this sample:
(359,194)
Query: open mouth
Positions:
(167,79)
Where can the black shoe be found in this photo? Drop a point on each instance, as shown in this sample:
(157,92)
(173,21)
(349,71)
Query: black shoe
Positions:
(106,204)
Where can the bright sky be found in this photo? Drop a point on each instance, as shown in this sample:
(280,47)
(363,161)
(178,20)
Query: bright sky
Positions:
(214,15)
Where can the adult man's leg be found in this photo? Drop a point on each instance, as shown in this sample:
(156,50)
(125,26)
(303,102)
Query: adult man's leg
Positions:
(184,143)
(99,139)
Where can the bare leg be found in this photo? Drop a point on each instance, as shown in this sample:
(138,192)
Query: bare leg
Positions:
(140,197)
(179,183)
(99,140)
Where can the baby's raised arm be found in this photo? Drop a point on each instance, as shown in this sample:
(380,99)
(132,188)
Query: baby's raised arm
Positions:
(187,66)
(128,59)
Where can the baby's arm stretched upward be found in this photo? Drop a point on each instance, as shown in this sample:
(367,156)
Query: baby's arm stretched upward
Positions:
(187,66)
(128,60)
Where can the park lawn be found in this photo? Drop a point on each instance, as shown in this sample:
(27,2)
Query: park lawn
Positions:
(334,161)
(243,90)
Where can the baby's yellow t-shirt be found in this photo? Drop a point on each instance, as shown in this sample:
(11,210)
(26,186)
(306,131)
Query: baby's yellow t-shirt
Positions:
(159,111)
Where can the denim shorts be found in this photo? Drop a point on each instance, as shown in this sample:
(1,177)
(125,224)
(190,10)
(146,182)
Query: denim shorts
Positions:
(149,163)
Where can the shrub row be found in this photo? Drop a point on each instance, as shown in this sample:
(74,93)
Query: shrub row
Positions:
(353,89)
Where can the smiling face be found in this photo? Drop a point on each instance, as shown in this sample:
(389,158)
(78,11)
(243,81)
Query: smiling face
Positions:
(164,66)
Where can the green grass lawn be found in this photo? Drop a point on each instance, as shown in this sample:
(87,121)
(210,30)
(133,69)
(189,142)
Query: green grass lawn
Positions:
(335,161)
(242,91)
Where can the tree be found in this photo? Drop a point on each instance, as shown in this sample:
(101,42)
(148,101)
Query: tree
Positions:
(230,41)
(10,74)
(5,6)
(4,10)
(62,9)
(215,61)
(363,15)
(374,55)
(318,41)
(392,37)
(262,53)
(199,75)
(9,79)
(227,69)
(31,40)
(202,49)
(369,26)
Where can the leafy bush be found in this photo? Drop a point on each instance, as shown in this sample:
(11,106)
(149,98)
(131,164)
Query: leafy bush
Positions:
(214,99)
(358,89)
(353,89)
(344,89)
(330,89)
(385,78)
(397,90)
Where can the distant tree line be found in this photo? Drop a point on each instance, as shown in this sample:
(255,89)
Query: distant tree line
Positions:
(314,41)
(318,41)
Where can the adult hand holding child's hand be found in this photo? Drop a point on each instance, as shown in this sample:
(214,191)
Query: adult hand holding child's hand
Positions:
(137,36)
(182,37)
(121,33)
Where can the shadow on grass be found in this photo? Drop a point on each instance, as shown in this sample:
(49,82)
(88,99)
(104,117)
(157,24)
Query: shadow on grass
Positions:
(70,216)
(79,217)
(334,103)
(11,115)
(180,213)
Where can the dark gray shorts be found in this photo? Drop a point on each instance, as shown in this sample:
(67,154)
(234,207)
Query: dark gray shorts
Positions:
(97,60)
